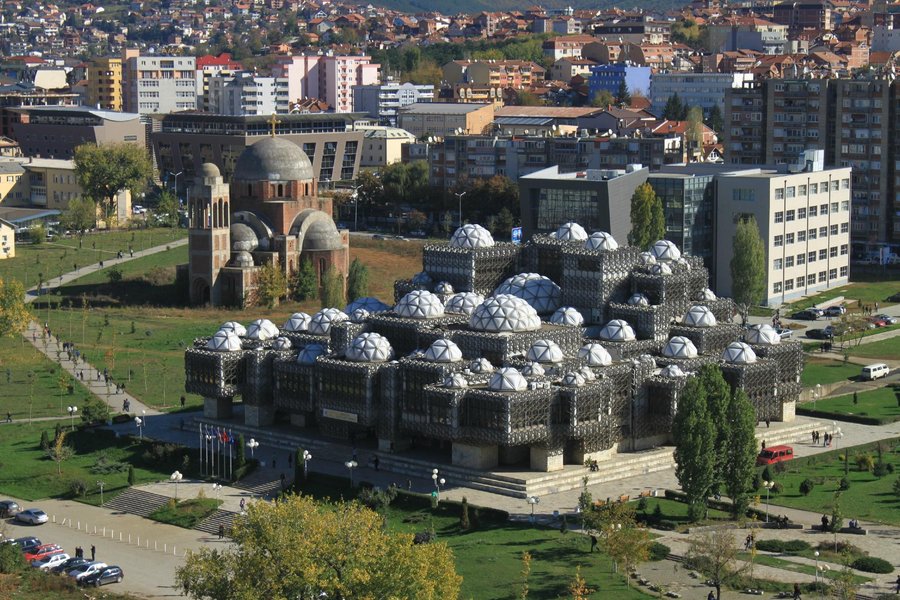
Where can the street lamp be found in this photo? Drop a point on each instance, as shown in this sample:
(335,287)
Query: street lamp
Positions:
(438,482)
(72,411)
(816,554)
(176,181)
(355,196)
(821,573)
(306,458)
(253,445)
(768,485)
(532,500)
(140,425)
(216,488)
(838,434)
(817,394)
(100,484)
(459,196)
(176,477)
(351,464)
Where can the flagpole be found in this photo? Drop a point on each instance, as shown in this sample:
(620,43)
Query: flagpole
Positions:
(231,456)
(200,428)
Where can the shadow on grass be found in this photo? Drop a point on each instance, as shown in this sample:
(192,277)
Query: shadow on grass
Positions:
(129,292)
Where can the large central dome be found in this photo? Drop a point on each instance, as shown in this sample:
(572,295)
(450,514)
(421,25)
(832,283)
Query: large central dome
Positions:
(273,159)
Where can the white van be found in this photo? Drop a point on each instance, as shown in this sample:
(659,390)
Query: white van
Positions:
(875,371)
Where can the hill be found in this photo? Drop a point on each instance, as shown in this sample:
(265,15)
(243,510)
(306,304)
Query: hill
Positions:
(452,7)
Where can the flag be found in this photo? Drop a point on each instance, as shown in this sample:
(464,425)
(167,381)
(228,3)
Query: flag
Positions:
(231,435)
(225,437)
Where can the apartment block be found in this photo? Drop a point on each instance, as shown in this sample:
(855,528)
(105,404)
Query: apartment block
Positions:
(104,83)
(444,118)
(245,93)
(329,78)
(693,89)
(383,101)
(516,74)
(160,84)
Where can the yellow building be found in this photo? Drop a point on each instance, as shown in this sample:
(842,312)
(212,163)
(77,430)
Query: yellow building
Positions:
(7,240)
(383,145)
(13,184)
(52,184)
(104,84)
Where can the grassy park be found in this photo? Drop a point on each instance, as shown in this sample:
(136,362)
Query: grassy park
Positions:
(889,348)
(817,370)
(880,404)
(185,513)
(866,292)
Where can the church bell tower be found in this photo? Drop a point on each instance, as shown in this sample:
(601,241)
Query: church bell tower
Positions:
(210,239)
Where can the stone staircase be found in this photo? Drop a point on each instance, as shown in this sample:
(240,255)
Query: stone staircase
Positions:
(211,524)
(137,502)
(261,484)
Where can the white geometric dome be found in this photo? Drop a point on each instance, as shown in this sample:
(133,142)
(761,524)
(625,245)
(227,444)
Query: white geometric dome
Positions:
(463,303)
(706,295)
(298,322)
(647,258)
(566,315)
(595,355)
(638,299)
(699,316)
(680,347)
(572,379)
(661,269)
(481,365)
(507,379)
(422,279)
(373,305)
(262,329)
(672,371)
(545,351)
(282,343)
(445,288)
(444,351)
(539,291)
(587,374)
(369,347)
(308,354)
(571,232)
(420,304)
(456,380)
(224,341)
(617,330)
(665,251)
(359,315)
(762,334)
(471,236)
(321,322)
(601,240)
(504,313)
(739,353)
(235,328)
(532,369)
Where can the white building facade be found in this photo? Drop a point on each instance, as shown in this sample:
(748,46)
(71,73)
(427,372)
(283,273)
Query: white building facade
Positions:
(160,84)
(247,94)
(385,100)
(694,89)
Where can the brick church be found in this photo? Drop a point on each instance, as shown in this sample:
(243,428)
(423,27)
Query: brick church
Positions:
(270,213)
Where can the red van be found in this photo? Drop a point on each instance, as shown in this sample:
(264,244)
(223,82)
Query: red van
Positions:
(775,454)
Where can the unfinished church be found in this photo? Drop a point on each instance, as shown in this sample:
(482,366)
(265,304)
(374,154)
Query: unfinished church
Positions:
(567,348)
(269,214)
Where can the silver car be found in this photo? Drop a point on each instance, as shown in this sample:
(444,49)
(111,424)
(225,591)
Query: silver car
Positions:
(34,516)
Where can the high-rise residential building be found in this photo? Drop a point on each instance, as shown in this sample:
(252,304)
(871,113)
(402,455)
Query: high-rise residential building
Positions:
(609,78)
(516,74)
(159,84)
(104,83)
(383,101)
(208,66)
(329,78)
(245,93)
(693,89)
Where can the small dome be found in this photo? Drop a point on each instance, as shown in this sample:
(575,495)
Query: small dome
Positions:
(545,351)
(595,355)
(587,374)
(242,259)
(471,236)
(504,313)
(359,315)
(273,159)
(706,295)
(463,303)
(209,170)
(507,379)
(420,304)
(647,258)
(537,290)
(762,335)
(262,329)
(566,315)
(739,353)
(369,347)
(422,279)
(661,269)
(322,234)
(282,343)
(572,379)
(444,351)
(373,305)
(601,240)
(571,232)
(456,381)
(532,369)
(321,322)
(617,330)
(672,371)
(638,299)
(243,238)
(234,327)
(680,347)
(308,355)
(481,365)
(224,341)
(699,316)
(445,288)
(665,251)
(298,322)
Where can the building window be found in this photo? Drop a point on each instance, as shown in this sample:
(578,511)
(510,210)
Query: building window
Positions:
(811,257)
(834,207)
(844,249)
(801,190)
(800,281)
(789,238)
(776,287)
(845,205)
(845,184)
(811,279)
(832,252)
(801,236)
(833,230)
(743,195)
(835,185)
(791,192)
(823,209)
(789,216)
(845,227)
(823,232)
(788,285)
(777,264)
(812,234)
(788,262)
(823,254)
(779,193)
(814,188)
(843,271)
(823,275)
(813,212)
(779,241)
(801,213)
(801,259)
(779,217)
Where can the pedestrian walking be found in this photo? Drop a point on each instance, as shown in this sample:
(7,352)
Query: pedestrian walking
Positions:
(243,503)
(78,552)
(375,462)
(767,422)
(221,531)
(283,481)
(593,542)
(824,523)
(183,400)
(898,585)
(8,417)
(797,591)
(93,553)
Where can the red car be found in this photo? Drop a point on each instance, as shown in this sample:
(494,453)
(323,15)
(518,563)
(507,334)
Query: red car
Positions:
(775,454)
(42,552)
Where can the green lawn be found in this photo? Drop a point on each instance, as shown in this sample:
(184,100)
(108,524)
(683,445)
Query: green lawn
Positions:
(869,292)
(881,404)
(788,565)
(676,512)
(186,513)
(817,370)
(882,349)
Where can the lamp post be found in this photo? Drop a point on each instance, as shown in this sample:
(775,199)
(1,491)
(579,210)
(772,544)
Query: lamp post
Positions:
(175,175)
(838,434)
(821,573)
(176,477)
(100,484)
(72,411)
(817,394)
(816,554)
(253,445)
(459,196)
(216,488)
(768,485)
(438,482)
(306,458)
(351,464)
(355,196)
(532,500)
(140,425)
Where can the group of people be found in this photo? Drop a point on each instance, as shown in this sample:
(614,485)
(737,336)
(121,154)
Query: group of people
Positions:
(826,438)
(79,552)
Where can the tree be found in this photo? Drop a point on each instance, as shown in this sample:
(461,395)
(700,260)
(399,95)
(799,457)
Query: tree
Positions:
(740,451)
(103,171)
(167,209)
(81,214)
(14,313)
(623,96)
(271,285)
(694,132)
(648,223)
(716,121)
(714,554)
(578,588)
(603,99)
(718,398)
(60,452)
(357,280)
(130,475)
(332,288)
(241,451)
(694,434)
(623,539)
(748,266)
(673,110)
(526,575)
(45,441)
(37,233)
(305,550)
(306,284)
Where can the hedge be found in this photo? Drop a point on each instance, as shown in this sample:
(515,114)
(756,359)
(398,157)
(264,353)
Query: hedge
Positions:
(872,564)
(862,420)
(782,545)
(659,551)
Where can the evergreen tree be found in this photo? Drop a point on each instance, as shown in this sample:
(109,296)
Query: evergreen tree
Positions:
(241,453)
(306,285)
(45,441)
(332,288)
(648,223)
(464,523)
(718,397)
(739,451)
(130,475)
(748,266)
(623,95)
(715,121)
(694,434)
(271,285)
(357,280)
(673,108)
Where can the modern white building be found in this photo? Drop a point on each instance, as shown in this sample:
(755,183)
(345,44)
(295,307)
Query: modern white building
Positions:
(160,84)
(694,89)
(385,100)
(247,94)
(329,78)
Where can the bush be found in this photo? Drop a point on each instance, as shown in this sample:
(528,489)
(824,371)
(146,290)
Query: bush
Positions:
(770,545)
(767,474)
(78,487)
(777,488)
(806,486)
(658,551)
(45,441)
(864,462)
(881,469)
(114,275)
(130,476)
(757,482)
(796,546)
(667,525)
(872,564)
(12,560)
(845,484)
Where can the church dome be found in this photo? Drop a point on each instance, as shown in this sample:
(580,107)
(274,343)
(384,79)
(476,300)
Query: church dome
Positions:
(208,170)
(243,238)
(273,159)
(322,234)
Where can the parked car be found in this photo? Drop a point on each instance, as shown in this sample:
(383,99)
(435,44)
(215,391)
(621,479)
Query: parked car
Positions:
(835,311)
(48,562)
(784,333)
(775,454)
(104,576)
(34,516)
(894,297)
(378,236)
(805,315)
(70,564)
(873,372)
(26,544)
(817,334)
(8,508)
(84,570)
(42,551)
(887,318)
(878,322)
